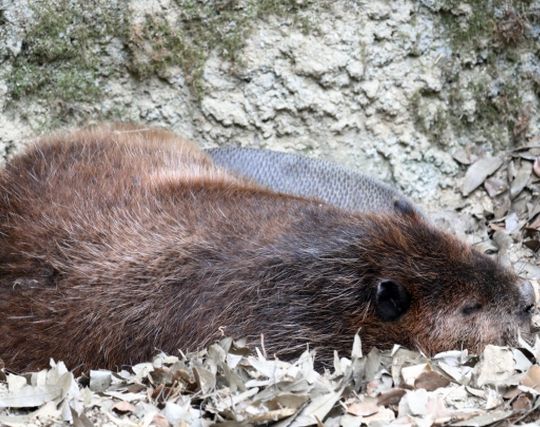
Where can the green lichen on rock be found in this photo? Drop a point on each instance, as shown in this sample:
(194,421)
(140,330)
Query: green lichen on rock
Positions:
(479,24)
(496,111)
(64,54)
(482,97)
(61,56)
(201,27)
(482,109)
(431,119)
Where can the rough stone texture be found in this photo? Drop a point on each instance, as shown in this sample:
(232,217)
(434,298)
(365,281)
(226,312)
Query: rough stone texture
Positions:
(352,89)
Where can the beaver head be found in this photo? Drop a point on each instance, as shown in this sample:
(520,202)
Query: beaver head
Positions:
(393,277)
(431,291)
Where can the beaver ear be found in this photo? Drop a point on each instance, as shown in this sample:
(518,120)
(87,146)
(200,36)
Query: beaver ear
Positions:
(404,207)
(392,300)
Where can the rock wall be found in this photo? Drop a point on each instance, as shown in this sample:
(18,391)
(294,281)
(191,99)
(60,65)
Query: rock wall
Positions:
(398,89)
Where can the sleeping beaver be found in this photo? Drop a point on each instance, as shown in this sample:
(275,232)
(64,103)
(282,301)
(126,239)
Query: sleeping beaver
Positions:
(116,242)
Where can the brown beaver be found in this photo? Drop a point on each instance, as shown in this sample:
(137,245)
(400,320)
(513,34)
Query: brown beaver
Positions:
(117,242)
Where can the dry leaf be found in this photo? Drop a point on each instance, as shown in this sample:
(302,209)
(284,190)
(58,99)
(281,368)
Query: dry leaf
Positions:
(411,373)
(100,380)
(124,407)
(527,270)
(356,352)
(496,366)
(29,397)
(536,166)
(365,408)
(522,363)
(479,171)
(460,374)
(317,409)
(532,378)
(431,381)
(485,419)
(383,417)
(520,181)
(522,402)
(160,421)
(205,379)
(533,209)
(511,223)
(269,391)
(535,224)
(401,359)
(272,416)
(414,403)
(463,156)
(391,397)
(495,186)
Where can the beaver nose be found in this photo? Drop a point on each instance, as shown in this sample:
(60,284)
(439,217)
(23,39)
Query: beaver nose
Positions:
(528,299)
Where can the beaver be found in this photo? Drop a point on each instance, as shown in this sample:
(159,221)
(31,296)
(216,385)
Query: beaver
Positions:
(119,241)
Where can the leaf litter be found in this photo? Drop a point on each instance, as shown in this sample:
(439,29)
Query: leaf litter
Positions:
(502,194)
(232,385)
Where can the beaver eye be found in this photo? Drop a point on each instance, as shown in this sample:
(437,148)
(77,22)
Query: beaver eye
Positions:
(471,308)
(392,300)
(529,309)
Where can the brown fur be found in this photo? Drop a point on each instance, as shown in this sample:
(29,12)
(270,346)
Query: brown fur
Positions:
(117,242)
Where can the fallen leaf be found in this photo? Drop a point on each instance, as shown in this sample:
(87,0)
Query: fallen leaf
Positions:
(317,409)
(364,408)
(29,396)
(532,244)
(463,156)
(523,364)
(411,373)
(485,419)
(391,397)
(123,407)
(501,206)
(160,421)
(511,223)
(100,380)
(495,186)
(16,382)
(349,420)
(414,402)
(527,270)
(401,359)
(128,397)
(496,366)
(535,224)
(532,378)
(205,379)
(356,352)
(272,416)
(533,209)
(384,417)
(522,402)
(536,166)
(431,381)
(460,374)
(478,172)
(522,178)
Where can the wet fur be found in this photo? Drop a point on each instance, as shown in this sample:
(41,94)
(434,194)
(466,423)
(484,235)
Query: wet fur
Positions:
(116,242)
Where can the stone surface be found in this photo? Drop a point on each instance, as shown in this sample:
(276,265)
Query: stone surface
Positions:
(369,85)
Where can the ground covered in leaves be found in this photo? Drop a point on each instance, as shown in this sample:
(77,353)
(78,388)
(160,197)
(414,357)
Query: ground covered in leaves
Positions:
(231,384)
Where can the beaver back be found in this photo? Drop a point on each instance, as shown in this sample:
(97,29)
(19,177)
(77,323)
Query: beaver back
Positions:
(118,242)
